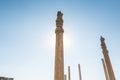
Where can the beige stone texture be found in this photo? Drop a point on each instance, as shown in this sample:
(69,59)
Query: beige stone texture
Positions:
(107,59)
(59,56)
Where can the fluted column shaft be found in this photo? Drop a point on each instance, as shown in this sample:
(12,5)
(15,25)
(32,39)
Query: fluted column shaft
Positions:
(59,57)
(105,69)
(107,60)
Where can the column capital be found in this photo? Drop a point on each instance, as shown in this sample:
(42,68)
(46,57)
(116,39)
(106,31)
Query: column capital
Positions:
(59,20)
(59,30)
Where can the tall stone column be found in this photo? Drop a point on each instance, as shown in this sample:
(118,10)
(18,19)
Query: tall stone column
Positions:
(107,59)
(59,57)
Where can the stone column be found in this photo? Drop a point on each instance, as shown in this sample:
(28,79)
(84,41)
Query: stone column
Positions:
(65,78)
(105,69)
(79,70)
(59,57)
(69,73)
(107,59)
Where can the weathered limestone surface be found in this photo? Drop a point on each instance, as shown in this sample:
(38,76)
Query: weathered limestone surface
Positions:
(105,69)
(59,57)
(107,60)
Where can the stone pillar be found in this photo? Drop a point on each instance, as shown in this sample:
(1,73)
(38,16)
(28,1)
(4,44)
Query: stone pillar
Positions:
(79,70)
(105,69)
(69,73)
(65,78)
(107,59)
(59,57)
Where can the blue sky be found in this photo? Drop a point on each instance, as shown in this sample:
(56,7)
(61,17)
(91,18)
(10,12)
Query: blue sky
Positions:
(27,35)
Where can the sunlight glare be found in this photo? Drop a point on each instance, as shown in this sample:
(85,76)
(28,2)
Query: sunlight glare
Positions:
(66,41)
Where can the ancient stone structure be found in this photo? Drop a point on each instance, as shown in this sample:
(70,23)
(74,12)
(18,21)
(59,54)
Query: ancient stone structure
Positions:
(79,70)
(69,78)
(6,78)
(105,69)
(59,57)
(107,60)
(65,78)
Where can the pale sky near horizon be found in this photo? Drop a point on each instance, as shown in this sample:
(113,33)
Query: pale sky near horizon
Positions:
(27,37)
